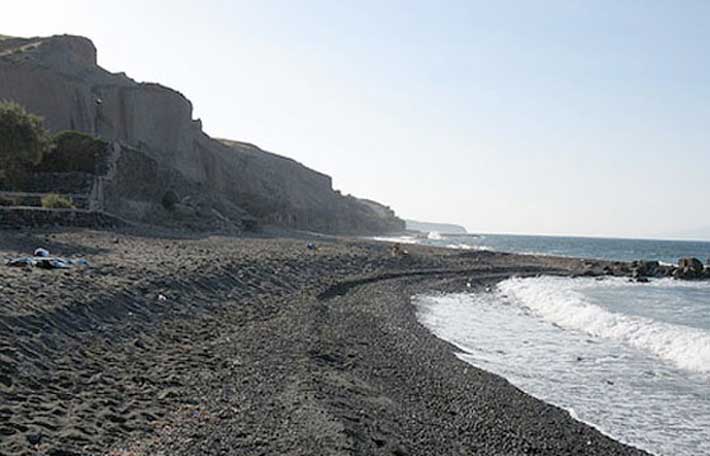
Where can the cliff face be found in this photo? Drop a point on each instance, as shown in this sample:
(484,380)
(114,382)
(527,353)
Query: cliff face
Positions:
(59,79)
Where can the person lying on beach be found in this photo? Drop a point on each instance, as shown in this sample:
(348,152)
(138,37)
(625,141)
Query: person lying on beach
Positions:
(41,259)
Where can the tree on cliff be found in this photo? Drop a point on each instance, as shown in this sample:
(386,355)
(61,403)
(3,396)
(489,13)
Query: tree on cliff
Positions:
(73,151)
(23,141)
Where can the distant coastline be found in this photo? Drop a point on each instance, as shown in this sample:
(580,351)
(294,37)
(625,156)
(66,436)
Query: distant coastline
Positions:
(429,227)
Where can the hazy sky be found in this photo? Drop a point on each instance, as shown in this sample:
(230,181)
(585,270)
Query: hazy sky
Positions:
(559,117)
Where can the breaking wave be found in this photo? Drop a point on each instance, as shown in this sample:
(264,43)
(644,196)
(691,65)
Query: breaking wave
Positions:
(560,301)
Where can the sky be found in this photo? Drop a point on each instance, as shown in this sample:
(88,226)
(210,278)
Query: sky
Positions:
(538,117)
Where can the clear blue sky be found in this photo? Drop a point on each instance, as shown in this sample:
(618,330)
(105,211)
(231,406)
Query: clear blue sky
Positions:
(558,117)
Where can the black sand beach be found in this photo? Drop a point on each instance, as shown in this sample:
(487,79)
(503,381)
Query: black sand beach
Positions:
(168,345)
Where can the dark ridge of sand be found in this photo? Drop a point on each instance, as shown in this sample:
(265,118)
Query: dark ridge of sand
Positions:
(217,346)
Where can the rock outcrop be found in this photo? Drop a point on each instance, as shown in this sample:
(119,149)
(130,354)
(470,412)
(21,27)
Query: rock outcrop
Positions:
(59,79)
(641,271)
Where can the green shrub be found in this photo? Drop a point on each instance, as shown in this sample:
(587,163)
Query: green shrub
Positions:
(73,151)
(5,201)
(23,142)
(54,201)
(170,199)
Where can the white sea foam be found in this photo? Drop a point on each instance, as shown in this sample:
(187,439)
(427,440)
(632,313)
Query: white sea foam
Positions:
(400,239)
(479,248)
(460,247)
(432,238)
(560,301)
(630,394)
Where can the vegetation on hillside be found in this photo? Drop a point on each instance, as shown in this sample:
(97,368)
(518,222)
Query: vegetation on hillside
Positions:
(54,201)
(23,142)
(5,202)
(170,200)
(26,147)
(73,151)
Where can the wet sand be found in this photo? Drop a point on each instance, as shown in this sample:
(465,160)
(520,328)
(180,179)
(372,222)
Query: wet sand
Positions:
(171,345)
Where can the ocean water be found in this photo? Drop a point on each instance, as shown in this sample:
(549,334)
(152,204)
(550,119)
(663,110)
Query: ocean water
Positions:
(579,247)
(631,359)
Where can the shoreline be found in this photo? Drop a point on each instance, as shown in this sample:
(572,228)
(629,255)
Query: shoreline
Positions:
(220,345)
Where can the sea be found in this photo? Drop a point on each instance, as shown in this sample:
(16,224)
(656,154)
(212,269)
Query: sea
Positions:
(630,359)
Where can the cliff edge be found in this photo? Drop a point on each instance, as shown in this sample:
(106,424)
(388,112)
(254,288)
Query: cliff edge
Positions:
(157,146)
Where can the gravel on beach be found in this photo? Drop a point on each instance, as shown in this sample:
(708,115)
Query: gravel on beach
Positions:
(185,345)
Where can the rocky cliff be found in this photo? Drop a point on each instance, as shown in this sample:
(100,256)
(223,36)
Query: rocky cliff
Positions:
(151,127)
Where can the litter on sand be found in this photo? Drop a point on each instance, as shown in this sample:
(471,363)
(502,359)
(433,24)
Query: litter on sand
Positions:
(397,250)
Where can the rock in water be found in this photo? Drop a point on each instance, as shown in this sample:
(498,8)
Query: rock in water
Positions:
(691,263)
(689,268)
(644,268)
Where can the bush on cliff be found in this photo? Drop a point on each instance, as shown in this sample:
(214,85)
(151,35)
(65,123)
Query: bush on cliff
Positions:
(73,151)
(23,142)
(170,199)
(54,201)
(6,202)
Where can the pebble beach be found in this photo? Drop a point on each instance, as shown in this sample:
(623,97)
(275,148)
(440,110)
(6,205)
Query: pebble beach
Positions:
(167,344)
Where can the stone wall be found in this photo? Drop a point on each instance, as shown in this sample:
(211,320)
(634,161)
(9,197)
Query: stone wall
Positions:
(65,183)
(25,217)
(35,199)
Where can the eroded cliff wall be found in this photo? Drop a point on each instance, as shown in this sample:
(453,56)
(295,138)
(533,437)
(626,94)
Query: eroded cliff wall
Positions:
(59,79)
